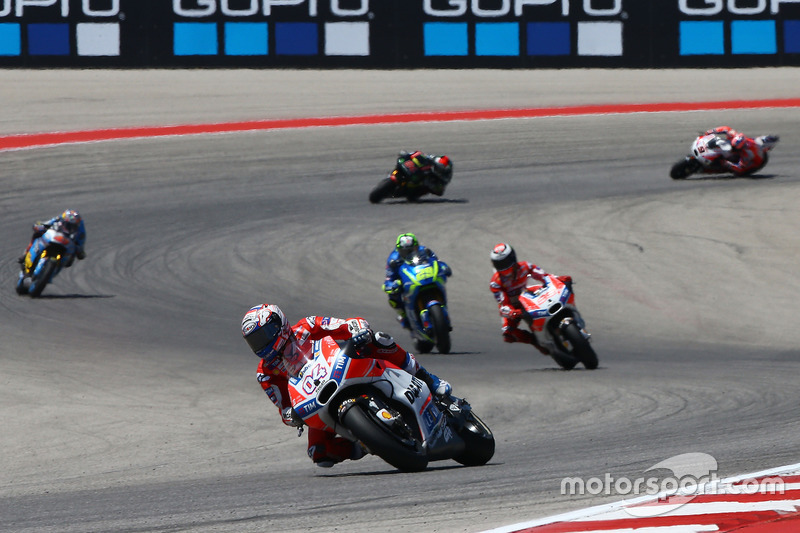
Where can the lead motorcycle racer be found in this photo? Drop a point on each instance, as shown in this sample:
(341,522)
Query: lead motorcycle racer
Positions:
(283,350)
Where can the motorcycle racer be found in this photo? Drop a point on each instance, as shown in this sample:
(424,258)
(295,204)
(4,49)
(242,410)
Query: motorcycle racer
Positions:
(69,222)
(507,283)
(432,171)
(283,350)
(405,246)
(746,154)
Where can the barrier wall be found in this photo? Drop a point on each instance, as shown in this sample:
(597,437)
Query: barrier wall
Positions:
(399,33)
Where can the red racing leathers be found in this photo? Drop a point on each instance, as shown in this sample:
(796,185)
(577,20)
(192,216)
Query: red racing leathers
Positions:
(325,446)
(506,286)
(750,155)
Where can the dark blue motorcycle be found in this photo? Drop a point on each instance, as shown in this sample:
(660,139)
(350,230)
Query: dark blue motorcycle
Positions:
(425,301)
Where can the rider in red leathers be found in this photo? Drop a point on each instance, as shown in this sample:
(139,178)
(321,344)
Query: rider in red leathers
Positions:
(748,154)
(508,281)
(283,348)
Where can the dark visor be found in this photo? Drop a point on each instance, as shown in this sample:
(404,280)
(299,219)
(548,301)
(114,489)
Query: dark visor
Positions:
(264,337)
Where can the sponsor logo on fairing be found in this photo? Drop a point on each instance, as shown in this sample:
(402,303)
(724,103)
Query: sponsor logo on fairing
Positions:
(414,390)
(338,369)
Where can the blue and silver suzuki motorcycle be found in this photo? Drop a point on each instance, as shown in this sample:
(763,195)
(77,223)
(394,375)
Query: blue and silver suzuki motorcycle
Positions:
(425,302)
(44,260)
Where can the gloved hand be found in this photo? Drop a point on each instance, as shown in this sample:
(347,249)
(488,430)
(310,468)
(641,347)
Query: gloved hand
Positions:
(392,287)
(291,418)
(361,338)
(510,312)
(446,268)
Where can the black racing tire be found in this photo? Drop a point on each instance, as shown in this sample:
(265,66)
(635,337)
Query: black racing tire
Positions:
(684,168)
(565,361)
(384,189)
(382,442)
(21,286)
(441,330)
(479,442)
(38,283)
(581,348)
(421,346)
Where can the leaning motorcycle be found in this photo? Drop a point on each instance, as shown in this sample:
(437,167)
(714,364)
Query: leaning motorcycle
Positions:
(389,411)
(551,313)
(399,185)
(44,260)
(708,151)
(425,301)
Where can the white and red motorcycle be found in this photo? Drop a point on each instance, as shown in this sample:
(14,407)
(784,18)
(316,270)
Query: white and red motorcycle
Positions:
(389,411)
(708,151)
(551,313)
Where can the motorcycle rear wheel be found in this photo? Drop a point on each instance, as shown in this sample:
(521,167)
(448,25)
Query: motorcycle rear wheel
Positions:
(384,189)
(38,283)
(581,347)
(440,328)
(382,442)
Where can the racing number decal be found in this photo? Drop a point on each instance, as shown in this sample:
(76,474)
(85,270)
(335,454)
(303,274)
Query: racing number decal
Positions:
(425,273)
(313,378)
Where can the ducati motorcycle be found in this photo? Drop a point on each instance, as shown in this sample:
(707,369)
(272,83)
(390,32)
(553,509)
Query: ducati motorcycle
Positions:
(708,151)
(551,313)
(425,301)
(44,260)
(393,414)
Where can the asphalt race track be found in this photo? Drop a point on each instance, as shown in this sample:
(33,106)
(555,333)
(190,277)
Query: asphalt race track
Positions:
(129,402)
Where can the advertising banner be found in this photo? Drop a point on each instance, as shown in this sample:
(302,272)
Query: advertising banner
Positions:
(399,33)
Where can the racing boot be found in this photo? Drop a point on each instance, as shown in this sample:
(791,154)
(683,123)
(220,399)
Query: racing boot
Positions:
(439,387)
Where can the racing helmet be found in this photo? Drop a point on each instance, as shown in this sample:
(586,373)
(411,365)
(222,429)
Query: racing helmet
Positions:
(443,167)
(70,220)
(406,245)
(503,257)
(266,331)
(738,141)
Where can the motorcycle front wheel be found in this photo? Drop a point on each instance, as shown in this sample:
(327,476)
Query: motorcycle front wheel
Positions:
(38,283)
(440,328)
(403,452)
(479,442)
(684,168)
(581,348)
(384,189)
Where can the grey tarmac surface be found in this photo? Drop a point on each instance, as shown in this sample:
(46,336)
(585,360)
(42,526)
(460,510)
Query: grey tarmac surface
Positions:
(128,399)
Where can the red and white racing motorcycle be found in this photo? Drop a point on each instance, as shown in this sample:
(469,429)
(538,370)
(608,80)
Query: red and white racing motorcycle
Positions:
(708,151)
(389,411)
(551,313)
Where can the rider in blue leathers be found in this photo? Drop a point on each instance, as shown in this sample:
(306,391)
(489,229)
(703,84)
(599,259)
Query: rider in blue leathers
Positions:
(405,246)
(69,222)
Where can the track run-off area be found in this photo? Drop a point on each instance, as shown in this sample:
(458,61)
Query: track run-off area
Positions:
(129,401)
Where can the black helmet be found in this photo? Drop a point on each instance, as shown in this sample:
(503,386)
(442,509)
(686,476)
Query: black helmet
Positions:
(503,257)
